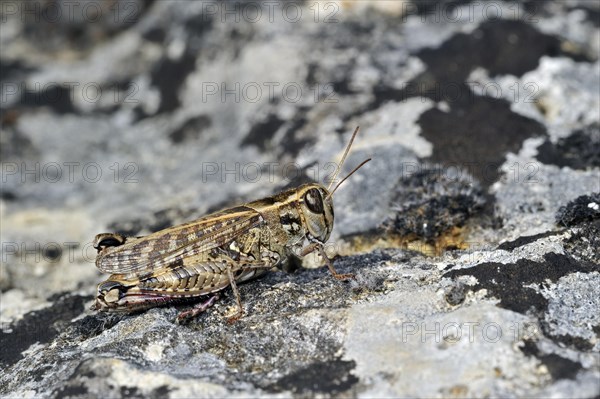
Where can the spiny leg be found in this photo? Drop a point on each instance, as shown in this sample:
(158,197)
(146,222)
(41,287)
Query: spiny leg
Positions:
(246,266)
(197,309)
(334,273)
(319,247)
(230,266)
(238,299)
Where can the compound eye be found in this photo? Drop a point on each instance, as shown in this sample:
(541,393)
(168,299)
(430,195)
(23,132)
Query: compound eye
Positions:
(313,200)
(108,240)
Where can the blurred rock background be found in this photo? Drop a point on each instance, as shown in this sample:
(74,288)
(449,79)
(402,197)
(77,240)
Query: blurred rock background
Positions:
(473,232)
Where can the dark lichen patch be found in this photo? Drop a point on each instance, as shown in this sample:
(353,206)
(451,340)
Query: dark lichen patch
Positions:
(199,25)
(160,392)
(476,135)
(330,377)
(558,366)
(93,325)
(262,133)
(460,136)
(456,294)
(8,195)
(70,390)
(130,392)
(585,208)
(292,143)
(581,344)
(431,201)
(580,150)
(477,131)
(584,242)
(40,326)
(509,282)
(155,34)
(501,46)
(342,86)
(52,253)
(524,240)
(169,75)
(13,70)
(55,97)
(191,129)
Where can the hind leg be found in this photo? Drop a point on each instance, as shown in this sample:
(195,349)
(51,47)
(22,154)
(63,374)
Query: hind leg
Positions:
(197,309)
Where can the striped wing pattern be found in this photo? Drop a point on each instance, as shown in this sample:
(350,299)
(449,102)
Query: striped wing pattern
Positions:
(168,247)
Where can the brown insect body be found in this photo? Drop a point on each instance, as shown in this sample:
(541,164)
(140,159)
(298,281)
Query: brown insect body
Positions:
(205,256)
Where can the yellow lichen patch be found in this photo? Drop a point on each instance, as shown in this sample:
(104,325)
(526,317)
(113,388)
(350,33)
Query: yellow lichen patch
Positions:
(454,238)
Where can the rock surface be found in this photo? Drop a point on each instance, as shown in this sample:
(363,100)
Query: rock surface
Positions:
(473,233)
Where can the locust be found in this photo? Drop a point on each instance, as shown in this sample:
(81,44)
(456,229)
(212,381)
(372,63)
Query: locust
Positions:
(196,261)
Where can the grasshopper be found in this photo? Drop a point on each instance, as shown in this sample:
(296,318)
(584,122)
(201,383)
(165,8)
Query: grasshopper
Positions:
(196,260)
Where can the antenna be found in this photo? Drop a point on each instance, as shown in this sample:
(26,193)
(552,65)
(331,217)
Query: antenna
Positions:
(349,174)
(339,167)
